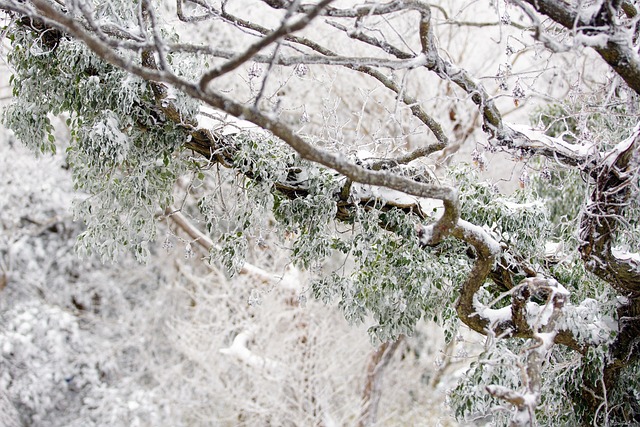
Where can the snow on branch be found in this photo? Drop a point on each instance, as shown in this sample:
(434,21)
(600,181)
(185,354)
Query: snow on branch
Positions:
(609,37)
(288,280)
(528,138)
(523,317)
(615,184)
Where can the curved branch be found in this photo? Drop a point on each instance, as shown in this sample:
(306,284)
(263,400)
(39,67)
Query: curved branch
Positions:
(614,185)
(514,320)
(501,134)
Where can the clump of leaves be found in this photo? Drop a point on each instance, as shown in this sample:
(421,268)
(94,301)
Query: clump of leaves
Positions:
(122,150)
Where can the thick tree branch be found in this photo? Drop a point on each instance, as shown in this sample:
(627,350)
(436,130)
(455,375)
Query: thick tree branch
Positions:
(511,321)
(615,183)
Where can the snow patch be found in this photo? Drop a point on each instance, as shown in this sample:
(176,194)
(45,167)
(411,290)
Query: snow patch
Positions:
(226,124)
(554,251)
(595,40)
(612,155)
(493,315)
(633,258)
(481,233)
(537,139)
(586,12)
(394,197)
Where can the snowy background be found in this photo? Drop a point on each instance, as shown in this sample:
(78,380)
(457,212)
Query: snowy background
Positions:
(176,342)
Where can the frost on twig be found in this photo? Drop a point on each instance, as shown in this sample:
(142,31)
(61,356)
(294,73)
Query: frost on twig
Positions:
(538,323)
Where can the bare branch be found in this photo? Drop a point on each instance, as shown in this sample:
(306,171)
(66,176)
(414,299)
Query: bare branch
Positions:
(282,31)
(206,243)
(411,102)
(184,18)
(372,391)
(381,44)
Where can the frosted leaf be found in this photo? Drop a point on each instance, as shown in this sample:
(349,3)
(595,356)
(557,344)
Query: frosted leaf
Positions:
(254,71)
(438,362)
(305,117)
(188,251)
(505,18)
(509,50)
(255,298)
(301,70)
(167,245)
(518,92)
(479,160)
(302,300)
(462,354)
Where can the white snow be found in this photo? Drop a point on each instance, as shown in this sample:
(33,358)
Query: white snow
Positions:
(612,155)
(633,258)
(595,40)
(493,315)
(240,351)
(586,11)
(394,197)
(547,339)
(427,234)
(537,139)
(225,124)
(554,251)
(538,315)
(481,234)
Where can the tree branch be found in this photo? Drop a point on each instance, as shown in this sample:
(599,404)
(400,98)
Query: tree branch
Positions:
(617,50)
(615,183)
(372,391)
(282,31)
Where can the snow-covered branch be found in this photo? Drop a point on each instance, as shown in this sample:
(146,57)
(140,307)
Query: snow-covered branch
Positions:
(614,40)
(615,184)
(287,281)
(522,318)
